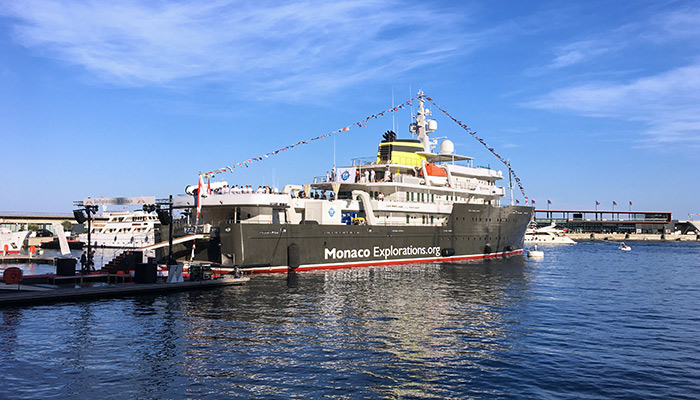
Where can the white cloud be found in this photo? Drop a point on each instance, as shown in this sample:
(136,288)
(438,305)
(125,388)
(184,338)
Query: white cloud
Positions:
(667,103)
(675,25)
(661,28)
(275,47)
(578,52)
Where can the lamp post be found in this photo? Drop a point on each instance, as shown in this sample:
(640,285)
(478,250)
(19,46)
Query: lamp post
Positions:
(90,210)
(166,218)
(81,217)
(170,230)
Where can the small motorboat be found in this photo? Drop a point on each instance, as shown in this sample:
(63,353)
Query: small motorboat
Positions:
(534,253)
(547,235)
(624,247)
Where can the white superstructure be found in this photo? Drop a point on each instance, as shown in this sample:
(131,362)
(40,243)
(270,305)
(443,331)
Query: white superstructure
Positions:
(123,229)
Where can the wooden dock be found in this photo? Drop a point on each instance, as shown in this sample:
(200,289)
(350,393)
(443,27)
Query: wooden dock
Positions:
(27,294)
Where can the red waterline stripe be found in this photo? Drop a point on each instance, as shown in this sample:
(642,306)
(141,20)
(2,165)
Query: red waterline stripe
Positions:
(285,269)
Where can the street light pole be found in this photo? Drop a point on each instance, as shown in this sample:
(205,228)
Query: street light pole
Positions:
(88,211)
(170,233)
(165,219)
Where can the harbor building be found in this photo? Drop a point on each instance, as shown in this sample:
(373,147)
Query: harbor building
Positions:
(595,221)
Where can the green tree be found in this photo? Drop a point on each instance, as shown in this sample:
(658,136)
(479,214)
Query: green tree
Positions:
(32,227)
(67,225)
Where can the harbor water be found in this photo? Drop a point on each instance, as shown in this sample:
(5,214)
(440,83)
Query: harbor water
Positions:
(587,321)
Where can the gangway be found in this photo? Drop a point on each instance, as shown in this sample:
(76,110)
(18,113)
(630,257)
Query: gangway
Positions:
(181,239)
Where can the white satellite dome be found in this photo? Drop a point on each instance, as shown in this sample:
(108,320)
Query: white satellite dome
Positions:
(447,147)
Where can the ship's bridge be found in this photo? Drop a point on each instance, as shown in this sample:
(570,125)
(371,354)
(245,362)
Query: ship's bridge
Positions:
(407,152)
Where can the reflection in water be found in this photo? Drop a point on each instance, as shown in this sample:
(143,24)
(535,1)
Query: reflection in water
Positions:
(11,318)
(417,322)
(395,328)
(393,331)
(579,321)
(159,341)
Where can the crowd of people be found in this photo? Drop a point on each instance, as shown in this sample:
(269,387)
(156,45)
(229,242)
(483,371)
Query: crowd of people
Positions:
(367,175)
(245,189)
(316,195)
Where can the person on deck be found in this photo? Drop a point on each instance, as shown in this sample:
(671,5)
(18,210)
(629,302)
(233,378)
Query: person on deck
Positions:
(91,261)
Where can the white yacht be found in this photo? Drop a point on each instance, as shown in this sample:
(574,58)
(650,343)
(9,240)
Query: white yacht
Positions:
(547,235)
(123,229)
(12,242)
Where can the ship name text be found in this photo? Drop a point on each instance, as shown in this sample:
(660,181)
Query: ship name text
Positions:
(379,252)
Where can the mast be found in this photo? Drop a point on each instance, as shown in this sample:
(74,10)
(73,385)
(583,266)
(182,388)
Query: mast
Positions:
(421,124)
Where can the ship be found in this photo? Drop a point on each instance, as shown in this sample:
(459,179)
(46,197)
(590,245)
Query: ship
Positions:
(417,201)
(12,242)
(123,229)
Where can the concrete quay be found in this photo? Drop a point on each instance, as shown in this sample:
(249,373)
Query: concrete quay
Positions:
(633,237)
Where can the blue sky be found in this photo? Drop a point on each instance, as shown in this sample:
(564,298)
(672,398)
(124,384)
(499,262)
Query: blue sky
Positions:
(591,101)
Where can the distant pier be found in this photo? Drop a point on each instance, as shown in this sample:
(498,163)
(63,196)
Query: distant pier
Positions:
(633,237)
(619,225)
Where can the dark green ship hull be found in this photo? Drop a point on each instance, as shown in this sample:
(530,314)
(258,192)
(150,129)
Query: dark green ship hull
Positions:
(473,232)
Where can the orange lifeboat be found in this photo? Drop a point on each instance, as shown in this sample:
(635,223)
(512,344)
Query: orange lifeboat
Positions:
(434,170)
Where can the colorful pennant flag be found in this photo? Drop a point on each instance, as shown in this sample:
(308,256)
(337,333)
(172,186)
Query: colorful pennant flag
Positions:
(363,125)
(360,124)
(200,187)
